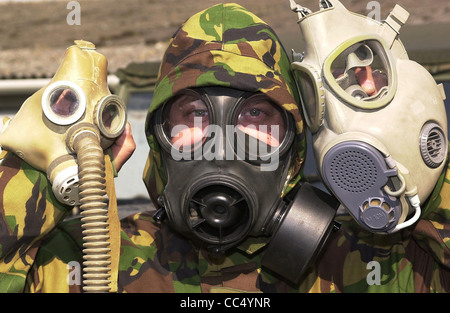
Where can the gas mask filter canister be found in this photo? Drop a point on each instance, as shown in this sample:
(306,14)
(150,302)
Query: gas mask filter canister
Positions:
(377,119)
(227,156)
(62,130)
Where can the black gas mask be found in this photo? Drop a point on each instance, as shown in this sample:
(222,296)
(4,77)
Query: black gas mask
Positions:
(227,156)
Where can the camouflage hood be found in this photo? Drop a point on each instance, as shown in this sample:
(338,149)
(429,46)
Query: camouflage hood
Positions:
(224,45)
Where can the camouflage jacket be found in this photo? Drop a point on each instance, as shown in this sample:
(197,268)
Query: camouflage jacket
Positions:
(39,247)
(228,46)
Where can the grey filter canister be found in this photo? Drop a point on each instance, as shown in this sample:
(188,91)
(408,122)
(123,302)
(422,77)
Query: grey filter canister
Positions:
(356,173)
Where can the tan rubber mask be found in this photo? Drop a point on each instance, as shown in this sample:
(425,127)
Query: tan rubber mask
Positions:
(63,130)
(51,123)
(377,119)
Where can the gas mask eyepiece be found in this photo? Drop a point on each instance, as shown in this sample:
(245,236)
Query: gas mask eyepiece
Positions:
(255,130)
(63,102)
(110,116)
(362,74)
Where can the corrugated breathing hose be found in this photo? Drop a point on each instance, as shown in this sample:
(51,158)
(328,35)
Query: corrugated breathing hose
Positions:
(93,206)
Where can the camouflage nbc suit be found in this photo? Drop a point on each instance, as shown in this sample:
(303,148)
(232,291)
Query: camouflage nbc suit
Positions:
(228,46)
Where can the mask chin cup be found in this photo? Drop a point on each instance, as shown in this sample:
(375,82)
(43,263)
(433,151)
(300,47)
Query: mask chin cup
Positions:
(302,230)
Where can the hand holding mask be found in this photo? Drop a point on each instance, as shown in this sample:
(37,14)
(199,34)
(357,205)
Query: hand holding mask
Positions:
(62,130)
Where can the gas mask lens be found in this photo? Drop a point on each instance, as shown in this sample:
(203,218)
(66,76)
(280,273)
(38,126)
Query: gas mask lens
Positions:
(261,119)
(255,126)
(361,74)
(260,127)
(110,116)
(63,102)
(185,121)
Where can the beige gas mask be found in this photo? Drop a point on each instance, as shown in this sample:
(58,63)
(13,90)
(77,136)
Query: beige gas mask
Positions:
(377,119)
(62,130)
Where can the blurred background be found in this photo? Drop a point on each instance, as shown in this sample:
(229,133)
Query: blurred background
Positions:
(133,34)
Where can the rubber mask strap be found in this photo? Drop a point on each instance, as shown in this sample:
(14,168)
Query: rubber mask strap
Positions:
(113,224)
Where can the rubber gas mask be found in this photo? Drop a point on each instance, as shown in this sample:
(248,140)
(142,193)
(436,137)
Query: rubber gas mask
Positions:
(227,154)
(377,119)
(62,130)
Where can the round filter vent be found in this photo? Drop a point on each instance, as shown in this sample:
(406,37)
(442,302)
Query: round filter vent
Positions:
(433,145)
(353,171)
(219,214)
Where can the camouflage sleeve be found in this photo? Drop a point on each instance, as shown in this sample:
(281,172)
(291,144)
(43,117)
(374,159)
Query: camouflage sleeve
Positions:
(433,231)
(28,211)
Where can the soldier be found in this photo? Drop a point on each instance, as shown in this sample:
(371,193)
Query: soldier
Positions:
(225,194)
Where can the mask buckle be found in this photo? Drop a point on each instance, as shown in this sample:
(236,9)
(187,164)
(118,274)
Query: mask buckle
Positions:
(301,11)
(160,215)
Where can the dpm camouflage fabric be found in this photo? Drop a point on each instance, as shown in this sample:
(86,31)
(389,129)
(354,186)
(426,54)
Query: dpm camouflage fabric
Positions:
(228,46)
(39,247)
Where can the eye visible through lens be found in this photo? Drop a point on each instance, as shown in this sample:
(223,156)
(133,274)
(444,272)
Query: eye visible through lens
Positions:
(262,119)
(64,101)
(185,121)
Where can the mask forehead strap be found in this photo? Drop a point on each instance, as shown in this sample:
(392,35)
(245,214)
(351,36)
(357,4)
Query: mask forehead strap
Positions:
(300,10)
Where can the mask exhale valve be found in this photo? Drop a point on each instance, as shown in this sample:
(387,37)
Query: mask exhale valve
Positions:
(93,206)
